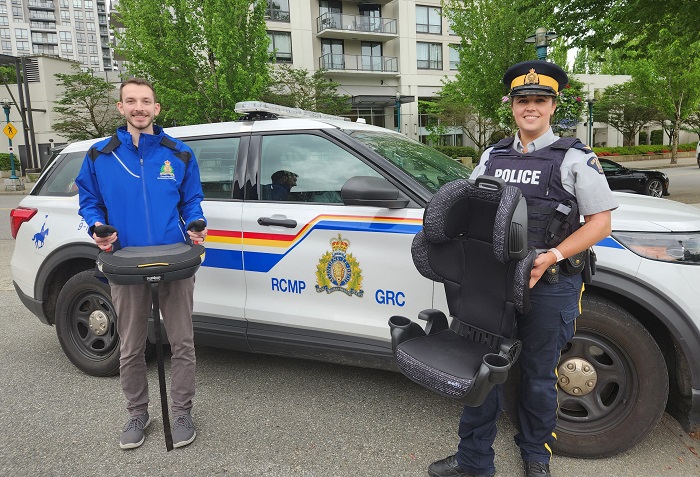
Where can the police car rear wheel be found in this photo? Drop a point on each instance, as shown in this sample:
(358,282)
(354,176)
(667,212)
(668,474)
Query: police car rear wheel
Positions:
(86,326)
(630,388)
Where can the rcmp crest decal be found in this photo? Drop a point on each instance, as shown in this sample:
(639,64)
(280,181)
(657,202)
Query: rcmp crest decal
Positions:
(338,270)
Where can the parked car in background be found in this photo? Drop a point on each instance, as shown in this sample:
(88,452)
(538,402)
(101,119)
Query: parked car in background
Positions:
(318,274)
(641,181)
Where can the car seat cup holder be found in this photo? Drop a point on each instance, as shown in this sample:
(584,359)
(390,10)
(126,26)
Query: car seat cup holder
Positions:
(403,329)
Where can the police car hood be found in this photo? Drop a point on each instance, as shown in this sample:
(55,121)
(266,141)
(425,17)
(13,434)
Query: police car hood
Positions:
(640,213)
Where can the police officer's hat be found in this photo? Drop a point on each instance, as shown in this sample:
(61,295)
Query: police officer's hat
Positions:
(535,77)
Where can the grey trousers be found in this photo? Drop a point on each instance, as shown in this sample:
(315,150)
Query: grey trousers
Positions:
(133,306)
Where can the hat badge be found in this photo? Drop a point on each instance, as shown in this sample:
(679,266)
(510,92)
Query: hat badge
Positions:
(532,77)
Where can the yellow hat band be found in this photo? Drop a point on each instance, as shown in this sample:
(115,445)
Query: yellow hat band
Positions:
(541,80)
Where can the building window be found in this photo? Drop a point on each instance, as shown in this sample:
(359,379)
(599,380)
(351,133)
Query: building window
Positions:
(23,45)
(90,26)
(79,25)
(89,15)
(92,38)
(371,56)
(80,37)
(92,49)
(4,20)
(7,45)
(17,12)
(94,60)
(66,47)
(429,56)
(3,8)
(280,47)
(88,4)
(278,10)
(65,36)
(65,15)
(4,33)
(77,3)
(454,56)
(21,33)
(65,3)
(82,49)
(428,20)
(332,54)
(78,14)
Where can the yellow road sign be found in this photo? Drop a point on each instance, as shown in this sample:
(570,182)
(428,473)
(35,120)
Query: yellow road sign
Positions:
(10,130)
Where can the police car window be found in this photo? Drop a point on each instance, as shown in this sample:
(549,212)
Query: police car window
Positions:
(217,160)
(60,180)
(428,166)
(306,168)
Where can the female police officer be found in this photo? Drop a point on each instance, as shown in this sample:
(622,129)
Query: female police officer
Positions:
(560,179)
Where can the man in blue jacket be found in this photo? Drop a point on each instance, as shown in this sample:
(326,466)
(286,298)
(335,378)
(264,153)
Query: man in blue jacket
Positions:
(146,184)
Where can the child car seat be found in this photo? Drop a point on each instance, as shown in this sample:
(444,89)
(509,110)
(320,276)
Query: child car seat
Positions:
(474,241)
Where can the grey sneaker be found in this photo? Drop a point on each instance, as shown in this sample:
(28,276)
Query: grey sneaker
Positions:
(133,434)
(183,430)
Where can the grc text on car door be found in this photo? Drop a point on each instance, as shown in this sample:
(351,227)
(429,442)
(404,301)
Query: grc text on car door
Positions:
(318,270)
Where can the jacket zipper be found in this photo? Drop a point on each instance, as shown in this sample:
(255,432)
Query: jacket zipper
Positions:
(145,197)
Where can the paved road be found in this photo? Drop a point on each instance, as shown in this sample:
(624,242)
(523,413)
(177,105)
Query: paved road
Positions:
(256,416)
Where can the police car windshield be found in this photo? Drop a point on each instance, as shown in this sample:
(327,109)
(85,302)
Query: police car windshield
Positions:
(428,166)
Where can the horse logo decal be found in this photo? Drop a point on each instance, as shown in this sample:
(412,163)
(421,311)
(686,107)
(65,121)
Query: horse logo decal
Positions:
(39,237)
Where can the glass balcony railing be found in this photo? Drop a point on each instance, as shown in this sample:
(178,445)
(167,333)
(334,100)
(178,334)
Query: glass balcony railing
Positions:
(366,63)
(356,23)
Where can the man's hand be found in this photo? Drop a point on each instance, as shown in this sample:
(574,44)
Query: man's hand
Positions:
(105,243)
(197,231)
(542,262)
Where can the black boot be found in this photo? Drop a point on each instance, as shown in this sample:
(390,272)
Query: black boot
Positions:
(448,467)
(536,469)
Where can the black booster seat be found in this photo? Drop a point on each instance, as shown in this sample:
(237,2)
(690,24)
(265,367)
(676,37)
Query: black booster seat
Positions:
(152,265)
(474,241)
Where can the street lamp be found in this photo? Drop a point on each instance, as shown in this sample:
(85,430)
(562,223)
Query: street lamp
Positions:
(541,39)
(398,112)
(6,103)
(590,100)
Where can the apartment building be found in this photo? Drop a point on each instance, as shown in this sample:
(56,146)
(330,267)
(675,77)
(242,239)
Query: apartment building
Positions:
(385,54)
(72,29)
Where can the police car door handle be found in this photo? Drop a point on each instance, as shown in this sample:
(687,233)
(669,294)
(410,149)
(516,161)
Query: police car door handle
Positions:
(267,221)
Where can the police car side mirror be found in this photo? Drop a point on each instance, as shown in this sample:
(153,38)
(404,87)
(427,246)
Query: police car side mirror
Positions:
(373,192)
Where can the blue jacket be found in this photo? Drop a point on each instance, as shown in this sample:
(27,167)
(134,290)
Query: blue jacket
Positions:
(148,194)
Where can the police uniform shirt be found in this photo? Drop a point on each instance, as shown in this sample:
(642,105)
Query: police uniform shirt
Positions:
(581,176)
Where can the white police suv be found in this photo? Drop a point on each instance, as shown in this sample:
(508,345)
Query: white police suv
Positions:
(310,228)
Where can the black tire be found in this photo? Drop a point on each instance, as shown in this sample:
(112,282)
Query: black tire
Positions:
(654,188)
(631,388)
(84,300)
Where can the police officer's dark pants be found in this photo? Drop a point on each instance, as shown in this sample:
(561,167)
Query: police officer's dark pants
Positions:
(543,331)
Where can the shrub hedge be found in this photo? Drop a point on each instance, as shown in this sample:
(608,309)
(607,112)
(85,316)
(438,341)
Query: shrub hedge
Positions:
(644,149)
(5,162)
(458,151)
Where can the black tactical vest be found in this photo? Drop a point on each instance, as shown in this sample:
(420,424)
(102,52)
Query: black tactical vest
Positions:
(538,176)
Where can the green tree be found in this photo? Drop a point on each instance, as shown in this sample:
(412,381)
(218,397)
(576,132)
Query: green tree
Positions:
(87,107)
(624,108)
(202,56)
(669,80)
(493,36)
(631,25)
(297,88)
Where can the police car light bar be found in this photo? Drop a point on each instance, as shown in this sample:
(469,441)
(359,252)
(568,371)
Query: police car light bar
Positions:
(247,107)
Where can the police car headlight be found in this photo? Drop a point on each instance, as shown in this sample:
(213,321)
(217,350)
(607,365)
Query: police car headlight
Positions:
(666,247)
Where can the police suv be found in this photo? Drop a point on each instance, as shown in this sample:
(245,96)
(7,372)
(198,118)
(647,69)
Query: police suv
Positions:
(311,221)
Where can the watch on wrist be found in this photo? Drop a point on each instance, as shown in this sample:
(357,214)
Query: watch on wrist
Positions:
(557,254)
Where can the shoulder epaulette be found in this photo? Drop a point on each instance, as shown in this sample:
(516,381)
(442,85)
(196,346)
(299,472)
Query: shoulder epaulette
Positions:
(113,143)
(184,156)
(565,143)
(505,143)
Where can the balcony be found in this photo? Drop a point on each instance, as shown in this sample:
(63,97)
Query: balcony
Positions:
(42,26)
(376,65)
(40,15)
(36,5)
(356,27)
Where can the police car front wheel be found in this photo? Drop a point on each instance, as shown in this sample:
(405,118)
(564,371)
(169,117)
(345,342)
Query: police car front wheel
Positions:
(86,325)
